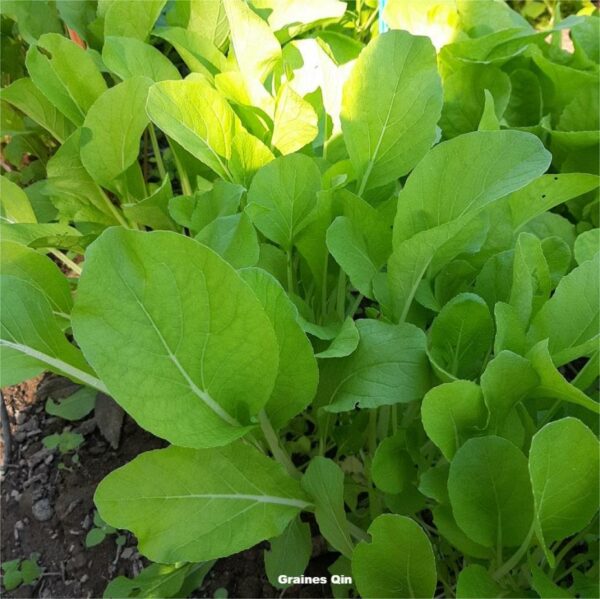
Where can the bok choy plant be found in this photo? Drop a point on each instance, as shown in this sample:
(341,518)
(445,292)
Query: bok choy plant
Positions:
(351,278)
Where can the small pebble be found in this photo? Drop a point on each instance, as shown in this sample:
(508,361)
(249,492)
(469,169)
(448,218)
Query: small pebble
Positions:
(20,436)
(84,578)
(15,495)
(20,417)
(42,510)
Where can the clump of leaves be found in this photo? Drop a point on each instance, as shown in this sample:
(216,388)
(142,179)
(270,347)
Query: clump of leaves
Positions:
(342,273)
(100,531)
(18,572)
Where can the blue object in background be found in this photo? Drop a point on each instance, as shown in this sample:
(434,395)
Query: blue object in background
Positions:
(382,24)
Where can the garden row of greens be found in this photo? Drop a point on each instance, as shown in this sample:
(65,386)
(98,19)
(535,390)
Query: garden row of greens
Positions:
(342,273)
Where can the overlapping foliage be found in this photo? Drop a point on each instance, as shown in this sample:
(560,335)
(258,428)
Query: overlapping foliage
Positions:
(342,273)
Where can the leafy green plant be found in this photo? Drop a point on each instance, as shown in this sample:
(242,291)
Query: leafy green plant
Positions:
(347,276)
(18,572)
(65,442)
(100,531)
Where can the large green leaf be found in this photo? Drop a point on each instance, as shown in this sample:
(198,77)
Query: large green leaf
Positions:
(66,74)
(490,492)
(294,121)
(14,203)
(563,464)
(32,339)
(289,553)
(324,483)
(452,413)
(24,95)
(197,116)
(391,103)
(398,562)
(297,378)
(454,181)
(508,379)
(461,336)
(475,582)
(569,319)
(73,191)
(212,502)
(283,197)
(158,315)
(461,176)
(389,366)
(131,18)
(256,47)
(111,133)
(25,263)
(129,57)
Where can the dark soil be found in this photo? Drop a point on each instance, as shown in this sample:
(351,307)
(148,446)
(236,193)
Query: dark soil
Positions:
(47,508)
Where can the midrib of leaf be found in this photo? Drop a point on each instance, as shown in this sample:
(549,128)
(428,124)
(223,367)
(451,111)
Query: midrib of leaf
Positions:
(271,499)
(203,395)
(72,371)
(371,162)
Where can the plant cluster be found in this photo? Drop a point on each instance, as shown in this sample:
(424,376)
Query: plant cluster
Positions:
(350,277)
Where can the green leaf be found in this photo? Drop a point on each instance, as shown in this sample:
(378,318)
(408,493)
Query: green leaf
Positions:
(129,57)
(208,18)
(452,413)
(12,579)
(531,283)
(344,343)
(32,339)
(16,207)
(198,52)
(587,245)
(190,313)
(392,469)
(233,238)
(391,103)
(30,571)
(464,97)
(570,318)
(544,586)
(24,263)
(508,379)
(324,483)
(360,242)
(552,383)
(389,366)
(489,121)
(461,336)
(74,407)
(197,116)
(434,222)
(293,14)
(283,197)
(547,192)
(490,492)
(73,191)
(475,582)
(209,505)
(461,176)
(24,95)
(157,580)
(255,46)
(297,377)
(65,441)
(398,562)
(112,129)
(289,553)
(66,74)
(294,121)
(153,211)
(94,537)
(563,465)
(130,18)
